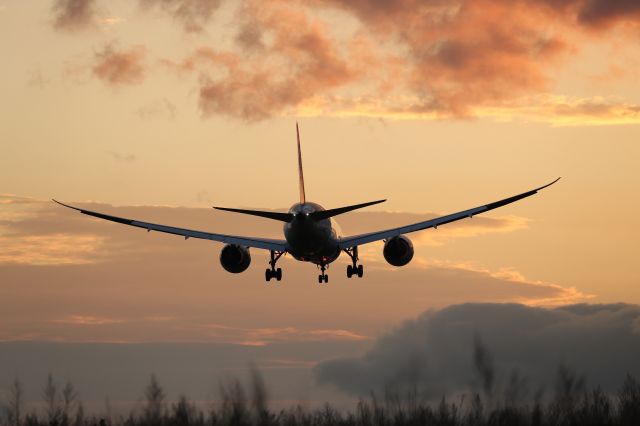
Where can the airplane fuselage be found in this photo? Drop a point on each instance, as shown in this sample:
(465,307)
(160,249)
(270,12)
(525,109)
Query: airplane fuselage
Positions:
(309,240)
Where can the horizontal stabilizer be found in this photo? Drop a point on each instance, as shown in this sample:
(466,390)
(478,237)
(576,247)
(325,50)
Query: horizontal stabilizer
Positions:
(325,214)
(283,217)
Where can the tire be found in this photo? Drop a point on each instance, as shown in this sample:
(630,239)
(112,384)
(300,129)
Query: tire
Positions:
(320,279)
(326,279)
(267,275)
(349,271)
(279,274)
(360,271)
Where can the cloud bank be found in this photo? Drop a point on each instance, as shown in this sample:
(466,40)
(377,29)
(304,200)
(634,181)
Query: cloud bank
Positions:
(89,280)
(439,352)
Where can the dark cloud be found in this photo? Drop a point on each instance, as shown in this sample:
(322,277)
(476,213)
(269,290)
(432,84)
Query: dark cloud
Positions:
(118,67)
(73,14)
(461,347)
(192,14)
(604,13)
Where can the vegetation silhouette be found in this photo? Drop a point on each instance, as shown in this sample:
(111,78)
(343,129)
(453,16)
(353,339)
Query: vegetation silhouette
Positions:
(570,403)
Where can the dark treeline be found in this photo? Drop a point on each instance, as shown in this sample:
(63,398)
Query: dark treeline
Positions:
(571,404)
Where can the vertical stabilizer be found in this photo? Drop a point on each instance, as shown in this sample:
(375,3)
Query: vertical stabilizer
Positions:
(300,174)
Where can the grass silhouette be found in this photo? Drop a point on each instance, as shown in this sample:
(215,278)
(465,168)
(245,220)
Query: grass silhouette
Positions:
(571,404)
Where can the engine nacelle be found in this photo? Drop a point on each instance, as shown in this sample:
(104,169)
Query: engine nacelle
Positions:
(235,258)
(398,251)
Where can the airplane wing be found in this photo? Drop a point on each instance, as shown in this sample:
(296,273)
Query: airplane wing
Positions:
(261,243)
(357,240)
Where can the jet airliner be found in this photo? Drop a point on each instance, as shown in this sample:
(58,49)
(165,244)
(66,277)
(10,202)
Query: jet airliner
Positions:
(310,234)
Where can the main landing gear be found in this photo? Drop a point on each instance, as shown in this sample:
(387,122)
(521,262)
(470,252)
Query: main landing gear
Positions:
(273,272)
(354,269)
(323,277)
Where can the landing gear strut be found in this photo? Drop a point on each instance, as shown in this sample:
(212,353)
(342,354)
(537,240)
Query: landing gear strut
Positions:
(273,272)
(323,277)
(354,269)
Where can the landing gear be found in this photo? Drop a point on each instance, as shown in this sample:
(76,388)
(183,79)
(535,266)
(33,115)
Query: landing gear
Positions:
(354,269)
(358,270)
(276,273)
(323,277)
(273,272)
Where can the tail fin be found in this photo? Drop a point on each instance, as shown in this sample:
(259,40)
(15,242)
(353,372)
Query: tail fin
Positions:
(300,174)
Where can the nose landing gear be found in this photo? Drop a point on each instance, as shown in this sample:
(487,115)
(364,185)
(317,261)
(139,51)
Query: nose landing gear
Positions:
(273,272)
(354,269)
(323,277)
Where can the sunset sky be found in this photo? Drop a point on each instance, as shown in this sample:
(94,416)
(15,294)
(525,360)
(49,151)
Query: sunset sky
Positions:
(158,109)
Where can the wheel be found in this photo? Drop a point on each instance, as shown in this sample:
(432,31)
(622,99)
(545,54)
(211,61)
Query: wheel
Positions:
(349,271)
(320,279)
(360,271)
(267,275)
(326,279)
(279,274)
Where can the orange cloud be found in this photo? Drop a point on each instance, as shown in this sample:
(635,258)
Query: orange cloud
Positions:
(120,67)
(87,320)
(265,336)
(55,249)
(256,83)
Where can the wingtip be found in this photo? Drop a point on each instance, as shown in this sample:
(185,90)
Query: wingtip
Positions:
(549,184)
(65,205)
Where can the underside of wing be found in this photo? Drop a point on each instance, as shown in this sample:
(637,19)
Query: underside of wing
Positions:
(357,240)
(261,243)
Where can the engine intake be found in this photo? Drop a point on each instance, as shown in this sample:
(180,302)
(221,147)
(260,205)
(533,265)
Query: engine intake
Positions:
(398,251)
(235,258)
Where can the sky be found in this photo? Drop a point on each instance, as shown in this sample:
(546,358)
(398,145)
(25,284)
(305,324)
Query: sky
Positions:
(159,109)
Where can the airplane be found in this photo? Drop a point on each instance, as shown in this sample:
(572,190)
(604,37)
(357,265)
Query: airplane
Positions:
(310,233)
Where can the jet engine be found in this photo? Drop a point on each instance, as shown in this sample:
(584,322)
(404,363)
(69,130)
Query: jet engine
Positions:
(398,251)
(235,258)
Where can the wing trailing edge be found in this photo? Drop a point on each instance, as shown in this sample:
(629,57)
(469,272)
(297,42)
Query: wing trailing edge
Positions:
(261,243)
(370,237)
